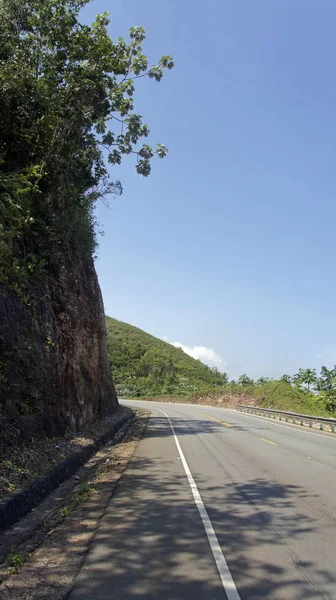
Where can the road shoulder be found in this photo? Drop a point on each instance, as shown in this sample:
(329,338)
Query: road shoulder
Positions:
(50,569)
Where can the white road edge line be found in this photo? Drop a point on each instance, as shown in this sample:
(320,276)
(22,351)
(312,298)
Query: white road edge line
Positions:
(223,569)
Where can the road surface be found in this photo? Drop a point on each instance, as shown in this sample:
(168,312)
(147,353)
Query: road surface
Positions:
(216,504)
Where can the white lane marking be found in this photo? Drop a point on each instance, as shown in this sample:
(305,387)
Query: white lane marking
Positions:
(223,569)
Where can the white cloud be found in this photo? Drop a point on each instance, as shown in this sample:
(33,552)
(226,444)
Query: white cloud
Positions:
(206,355)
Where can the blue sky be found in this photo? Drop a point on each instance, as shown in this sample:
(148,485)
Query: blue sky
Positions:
(230,244)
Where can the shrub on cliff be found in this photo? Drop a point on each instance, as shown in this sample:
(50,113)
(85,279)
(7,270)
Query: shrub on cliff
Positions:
(66,105)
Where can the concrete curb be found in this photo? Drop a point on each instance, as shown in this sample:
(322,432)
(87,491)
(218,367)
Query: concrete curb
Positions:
(16,507)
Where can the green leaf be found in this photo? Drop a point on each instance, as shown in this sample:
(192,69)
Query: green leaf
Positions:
(161,150)
(67,92)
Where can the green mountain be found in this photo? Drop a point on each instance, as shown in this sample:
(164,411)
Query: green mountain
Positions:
(143,365)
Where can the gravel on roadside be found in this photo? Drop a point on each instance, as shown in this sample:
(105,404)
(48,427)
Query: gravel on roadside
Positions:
(49,570)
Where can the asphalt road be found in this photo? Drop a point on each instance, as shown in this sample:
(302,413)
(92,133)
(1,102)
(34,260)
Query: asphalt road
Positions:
(231,506)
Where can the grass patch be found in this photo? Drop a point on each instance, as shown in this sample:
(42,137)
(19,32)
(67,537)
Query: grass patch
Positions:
(15,561)
(84,491)
(65,512)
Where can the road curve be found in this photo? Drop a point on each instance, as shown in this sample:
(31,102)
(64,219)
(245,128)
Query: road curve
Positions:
(217,504)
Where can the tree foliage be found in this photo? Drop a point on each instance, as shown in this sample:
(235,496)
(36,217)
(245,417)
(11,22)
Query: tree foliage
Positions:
(326,386)
(263,380)
(244,380)
(305,378)
(313,390)
(66,106)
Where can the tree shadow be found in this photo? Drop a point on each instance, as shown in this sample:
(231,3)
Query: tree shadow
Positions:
(151,542)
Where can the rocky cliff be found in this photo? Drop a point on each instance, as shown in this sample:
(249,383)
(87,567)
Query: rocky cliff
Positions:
(54,368)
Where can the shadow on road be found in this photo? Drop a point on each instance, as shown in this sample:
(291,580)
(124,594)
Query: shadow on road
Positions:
(151,542)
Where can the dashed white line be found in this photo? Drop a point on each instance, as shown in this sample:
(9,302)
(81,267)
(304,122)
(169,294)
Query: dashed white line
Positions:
(223,569)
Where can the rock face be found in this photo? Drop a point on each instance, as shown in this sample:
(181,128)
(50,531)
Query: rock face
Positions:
(54,368)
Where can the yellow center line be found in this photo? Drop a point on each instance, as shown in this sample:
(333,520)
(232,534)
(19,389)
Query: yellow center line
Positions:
(217,420)
(268,441)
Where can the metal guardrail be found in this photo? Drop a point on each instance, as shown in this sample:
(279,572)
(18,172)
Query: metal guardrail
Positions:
(321,423)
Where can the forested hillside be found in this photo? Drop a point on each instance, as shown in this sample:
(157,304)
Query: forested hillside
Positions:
(145,365)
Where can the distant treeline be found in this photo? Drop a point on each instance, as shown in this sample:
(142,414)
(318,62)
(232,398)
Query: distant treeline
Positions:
(305,380)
